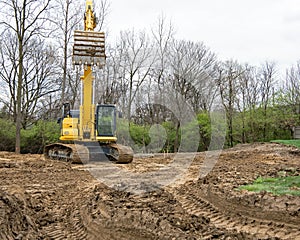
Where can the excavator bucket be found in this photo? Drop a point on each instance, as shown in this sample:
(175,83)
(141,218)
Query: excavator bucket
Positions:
(89,48)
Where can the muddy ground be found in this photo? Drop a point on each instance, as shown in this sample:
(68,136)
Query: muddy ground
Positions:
(42,199)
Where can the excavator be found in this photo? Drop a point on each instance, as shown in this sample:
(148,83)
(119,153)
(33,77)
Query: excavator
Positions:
(89,134)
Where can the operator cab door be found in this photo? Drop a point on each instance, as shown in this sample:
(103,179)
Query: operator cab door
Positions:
(106,122)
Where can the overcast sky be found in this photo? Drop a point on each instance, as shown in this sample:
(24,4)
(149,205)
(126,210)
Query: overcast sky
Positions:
(246,30)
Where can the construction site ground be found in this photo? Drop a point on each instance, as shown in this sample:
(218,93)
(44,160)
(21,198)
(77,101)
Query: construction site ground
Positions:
(47,199)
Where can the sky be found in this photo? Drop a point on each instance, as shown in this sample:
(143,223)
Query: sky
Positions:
(251,31)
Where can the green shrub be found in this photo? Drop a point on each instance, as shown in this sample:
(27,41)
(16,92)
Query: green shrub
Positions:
(7,135)
(37,136)
(33,139)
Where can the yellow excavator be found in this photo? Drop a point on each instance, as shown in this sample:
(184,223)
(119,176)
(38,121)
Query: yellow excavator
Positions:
(91,129)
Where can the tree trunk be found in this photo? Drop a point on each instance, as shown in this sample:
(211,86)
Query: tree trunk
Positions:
(19,101)
(176,141)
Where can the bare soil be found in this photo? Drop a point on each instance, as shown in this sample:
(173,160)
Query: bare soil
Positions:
(42,199)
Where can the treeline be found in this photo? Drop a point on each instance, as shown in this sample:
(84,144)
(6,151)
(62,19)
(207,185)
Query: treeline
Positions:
(146,138)
(174,94)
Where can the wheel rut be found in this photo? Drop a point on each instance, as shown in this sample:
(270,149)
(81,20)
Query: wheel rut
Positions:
(245,227)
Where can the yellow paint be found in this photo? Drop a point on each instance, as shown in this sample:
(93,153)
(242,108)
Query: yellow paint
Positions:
(87,112)
(90,20)
(69,129)
(89,3)
(106,139)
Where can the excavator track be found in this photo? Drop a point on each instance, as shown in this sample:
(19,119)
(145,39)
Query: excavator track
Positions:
(121,153)
(88,151)
(66,152)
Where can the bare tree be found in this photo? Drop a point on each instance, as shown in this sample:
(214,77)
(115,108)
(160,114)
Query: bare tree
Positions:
(267,74)
(247,99)
(8,72)
(191,65)
(73,90)
(41,78)
(69,15)
(163,34)
(25,19)
(137,61)
(103,10)
(193,69)
(291,89)
(110,83)
(229,73)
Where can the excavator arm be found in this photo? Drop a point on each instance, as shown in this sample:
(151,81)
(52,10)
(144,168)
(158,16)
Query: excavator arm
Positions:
(90,20)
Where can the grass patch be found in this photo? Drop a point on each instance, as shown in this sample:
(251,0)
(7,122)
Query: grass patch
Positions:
(278,186)
(293,142)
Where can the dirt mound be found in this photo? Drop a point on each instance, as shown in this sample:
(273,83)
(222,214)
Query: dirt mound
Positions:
(42,199)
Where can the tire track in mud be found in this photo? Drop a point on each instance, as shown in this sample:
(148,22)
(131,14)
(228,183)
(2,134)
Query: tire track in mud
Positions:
(235,225)
(71,228)
(244,227)
(54,232)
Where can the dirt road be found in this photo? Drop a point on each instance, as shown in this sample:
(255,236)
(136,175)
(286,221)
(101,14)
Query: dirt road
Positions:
(42,199)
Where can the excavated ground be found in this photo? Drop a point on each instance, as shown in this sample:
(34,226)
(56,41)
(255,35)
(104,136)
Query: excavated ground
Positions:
(42,199)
